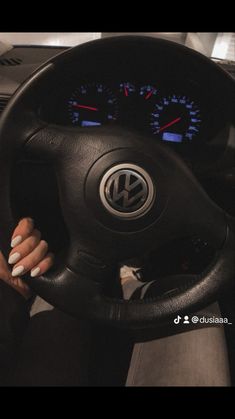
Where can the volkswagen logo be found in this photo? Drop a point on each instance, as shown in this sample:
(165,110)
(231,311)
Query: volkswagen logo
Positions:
(127,191)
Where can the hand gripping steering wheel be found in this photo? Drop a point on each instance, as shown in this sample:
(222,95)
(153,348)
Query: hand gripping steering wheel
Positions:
(120,195)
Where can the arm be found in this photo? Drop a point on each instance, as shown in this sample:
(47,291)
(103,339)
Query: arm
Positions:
(29,254)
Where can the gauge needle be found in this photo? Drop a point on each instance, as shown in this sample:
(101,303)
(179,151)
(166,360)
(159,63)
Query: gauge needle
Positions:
(125,91)
(149,94)
(170,123)
(89,108)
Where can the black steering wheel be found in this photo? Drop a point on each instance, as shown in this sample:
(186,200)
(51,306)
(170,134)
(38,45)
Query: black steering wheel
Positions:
(120,194)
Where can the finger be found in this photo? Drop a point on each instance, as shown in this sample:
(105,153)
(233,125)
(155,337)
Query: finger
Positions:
(24,248)
(43,266)
(22,231)
(15,283)
(21,287)
(4,270)
(31,260)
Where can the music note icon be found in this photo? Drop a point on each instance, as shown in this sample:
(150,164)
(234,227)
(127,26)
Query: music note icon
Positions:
(177,319)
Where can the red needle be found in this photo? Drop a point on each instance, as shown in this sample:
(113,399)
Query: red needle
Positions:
(149,94)
(169,124)
(89,108)
(125,91)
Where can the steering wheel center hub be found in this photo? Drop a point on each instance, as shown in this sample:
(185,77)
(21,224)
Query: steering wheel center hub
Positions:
(127,191)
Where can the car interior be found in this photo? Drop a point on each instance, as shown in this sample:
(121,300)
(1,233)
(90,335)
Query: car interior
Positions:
(71,119)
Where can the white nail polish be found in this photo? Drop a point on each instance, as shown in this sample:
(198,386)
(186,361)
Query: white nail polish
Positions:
(18,271)
(16,240)
(35,272)
(14,258)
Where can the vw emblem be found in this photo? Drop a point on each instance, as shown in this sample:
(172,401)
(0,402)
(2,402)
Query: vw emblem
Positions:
(126,191)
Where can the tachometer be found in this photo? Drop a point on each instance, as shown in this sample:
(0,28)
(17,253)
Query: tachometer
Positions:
(175,118)
(92,105)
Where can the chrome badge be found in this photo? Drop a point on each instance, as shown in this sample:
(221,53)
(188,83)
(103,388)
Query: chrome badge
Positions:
(127,191)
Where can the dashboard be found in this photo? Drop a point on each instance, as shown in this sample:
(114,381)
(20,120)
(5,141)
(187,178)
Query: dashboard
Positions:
(163,91)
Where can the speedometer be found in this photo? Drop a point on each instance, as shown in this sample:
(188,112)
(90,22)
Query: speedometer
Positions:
(176,119)
(92,105)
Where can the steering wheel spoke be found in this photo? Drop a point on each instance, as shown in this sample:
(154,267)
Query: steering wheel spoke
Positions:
(54,142)
(190,211)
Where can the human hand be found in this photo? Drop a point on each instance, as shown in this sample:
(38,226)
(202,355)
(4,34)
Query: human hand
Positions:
(29,254)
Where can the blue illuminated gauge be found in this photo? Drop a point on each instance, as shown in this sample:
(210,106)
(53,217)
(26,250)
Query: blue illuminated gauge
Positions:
(148,92)
(175,119)
(127,89)
(92,105)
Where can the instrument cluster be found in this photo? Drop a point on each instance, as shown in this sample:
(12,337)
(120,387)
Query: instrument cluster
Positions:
(172,117)
(177,113)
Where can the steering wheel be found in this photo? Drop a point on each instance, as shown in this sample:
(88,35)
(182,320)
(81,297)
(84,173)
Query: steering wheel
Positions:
(121,195)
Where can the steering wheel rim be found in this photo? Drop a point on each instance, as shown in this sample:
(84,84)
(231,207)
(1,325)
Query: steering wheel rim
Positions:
(77,286)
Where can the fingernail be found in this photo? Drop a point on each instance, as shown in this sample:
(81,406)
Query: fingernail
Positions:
(14,258)
(30,219)
(18,271)
(35,272)
(16,240)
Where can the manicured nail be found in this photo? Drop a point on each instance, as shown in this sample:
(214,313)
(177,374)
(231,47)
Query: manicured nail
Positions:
(14,258)
(35,272)
(30,219)
(16,240)
(18,271)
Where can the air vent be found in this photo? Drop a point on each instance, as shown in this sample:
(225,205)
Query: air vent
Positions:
(3,102)
(10,61)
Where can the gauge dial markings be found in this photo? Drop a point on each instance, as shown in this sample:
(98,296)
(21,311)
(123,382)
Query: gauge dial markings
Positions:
(92,104)
(177,113)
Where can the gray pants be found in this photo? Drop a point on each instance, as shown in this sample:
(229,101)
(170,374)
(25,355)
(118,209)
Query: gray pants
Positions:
(57,349)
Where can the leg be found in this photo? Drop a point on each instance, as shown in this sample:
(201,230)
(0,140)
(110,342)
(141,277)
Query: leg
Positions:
(194,358)
(55,349)
(191,358)
(58,350)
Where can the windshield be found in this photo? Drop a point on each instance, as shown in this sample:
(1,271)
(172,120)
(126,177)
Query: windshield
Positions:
(219,45)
